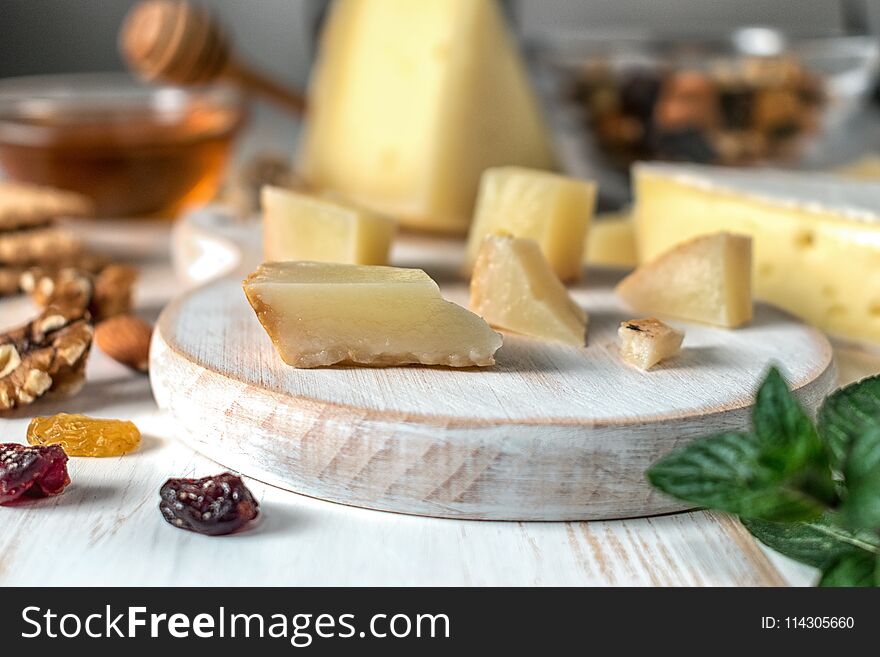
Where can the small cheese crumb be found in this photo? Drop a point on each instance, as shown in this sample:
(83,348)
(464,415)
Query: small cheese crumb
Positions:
(646,342)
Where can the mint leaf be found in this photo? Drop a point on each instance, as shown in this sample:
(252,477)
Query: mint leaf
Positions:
(862,478)
(857,569)
(726,472)
(791,443)
(847,414)
(818,544)
(778,417)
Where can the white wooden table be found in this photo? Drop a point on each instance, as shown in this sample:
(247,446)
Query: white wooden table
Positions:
(106,528)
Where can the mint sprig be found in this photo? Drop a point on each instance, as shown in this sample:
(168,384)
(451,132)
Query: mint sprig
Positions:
(861,474)
(819,543)
(847,414)
(732,472)
(813,495)
(856,569)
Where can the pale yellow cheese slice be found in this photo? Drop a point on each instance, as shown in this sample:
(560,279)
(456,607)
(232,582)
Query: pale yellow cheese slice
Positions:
(320,314)
(816,236)
(411,100)
(552,210)
(706,279)
(300,226)
(513,288)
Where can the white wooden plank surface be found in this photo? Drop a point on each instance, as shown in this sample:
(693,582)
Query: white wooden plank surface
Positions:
(106,528)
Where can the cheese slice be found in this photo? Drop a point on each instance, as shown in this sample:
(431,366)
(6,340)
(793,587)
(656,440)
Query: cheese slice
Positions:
(612,242)
(816,236)
(304,227)
(552,210)
(319,314)
(706,279)
(513,288)
(411,101)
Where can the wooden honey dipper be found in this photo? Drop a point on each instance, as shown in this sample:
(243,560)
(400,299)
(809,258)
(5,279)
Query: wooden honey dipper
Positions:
(181,43)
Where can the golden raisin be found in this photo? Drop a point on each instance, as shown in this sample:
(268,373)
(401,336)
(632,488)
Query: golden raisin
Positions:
(81,435)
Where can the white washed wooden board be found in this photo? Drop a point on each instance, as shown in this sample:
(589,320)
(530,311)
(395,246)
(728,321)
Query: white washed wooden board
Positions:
(550,433)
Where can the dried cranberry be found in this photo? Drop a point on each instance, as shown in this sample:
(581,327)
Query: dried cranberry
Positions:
(213,505)
(36,471)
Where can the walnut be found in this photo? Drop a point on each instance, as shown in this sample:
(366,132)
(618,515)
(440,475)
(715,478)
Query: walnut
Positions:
(9,280)
(113,291)
(110,286)
(48,354)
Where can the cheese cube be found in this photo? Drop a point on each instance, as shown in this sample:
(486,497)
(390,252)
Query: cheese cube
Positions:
(319,314)
(707,279)
(553,210)
(612,242)
(513,288)
(299,226)
(646,342)
(409,103)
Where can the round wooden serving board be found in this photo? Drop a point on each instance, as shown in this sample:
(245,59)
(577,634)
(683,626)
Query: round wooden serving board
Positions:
(550,433)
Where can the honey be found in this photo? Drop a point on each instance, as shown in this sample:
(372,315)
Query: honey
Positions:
(139,152)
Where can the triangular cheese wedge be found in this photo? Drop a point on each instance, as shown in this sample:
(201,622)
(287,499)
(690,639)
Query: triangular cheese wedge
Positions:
(321,314)
(411,100)
(514,288)
(707,279)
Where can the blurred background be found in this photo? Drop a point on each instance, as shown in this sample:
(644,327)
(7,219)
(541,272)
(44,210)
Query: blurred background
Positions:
(620,80)
(44,36)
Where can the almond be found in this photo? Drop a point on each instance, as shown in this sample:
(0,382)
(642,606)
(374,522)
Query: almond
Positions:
(126,339)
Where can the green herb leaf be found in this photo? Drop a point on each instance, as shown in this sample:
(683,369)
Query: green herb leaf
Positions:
(791,443)
(727,472)
(778,417)
(862,478)
(857,569)
(847,414)
(818,544)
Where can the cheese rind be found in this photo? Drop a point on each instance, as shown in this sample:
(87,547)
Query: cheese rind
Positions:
(513,288)
(706,279)
(411,101)
(300,226)
(320,314)
(552,210)
(816,236)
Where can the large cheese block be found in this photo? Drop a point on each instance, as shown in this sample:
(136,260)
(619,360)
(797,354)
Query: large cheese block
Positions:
(411,101)
(816,237)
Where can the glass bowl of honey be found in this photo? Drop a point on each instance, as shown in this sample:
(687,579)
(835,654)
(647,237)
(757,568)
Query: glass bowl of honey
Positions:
(135,150)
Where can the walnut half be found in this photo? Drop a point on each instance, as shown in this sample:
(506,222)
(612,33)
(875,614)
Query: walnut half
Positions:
(49,353)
